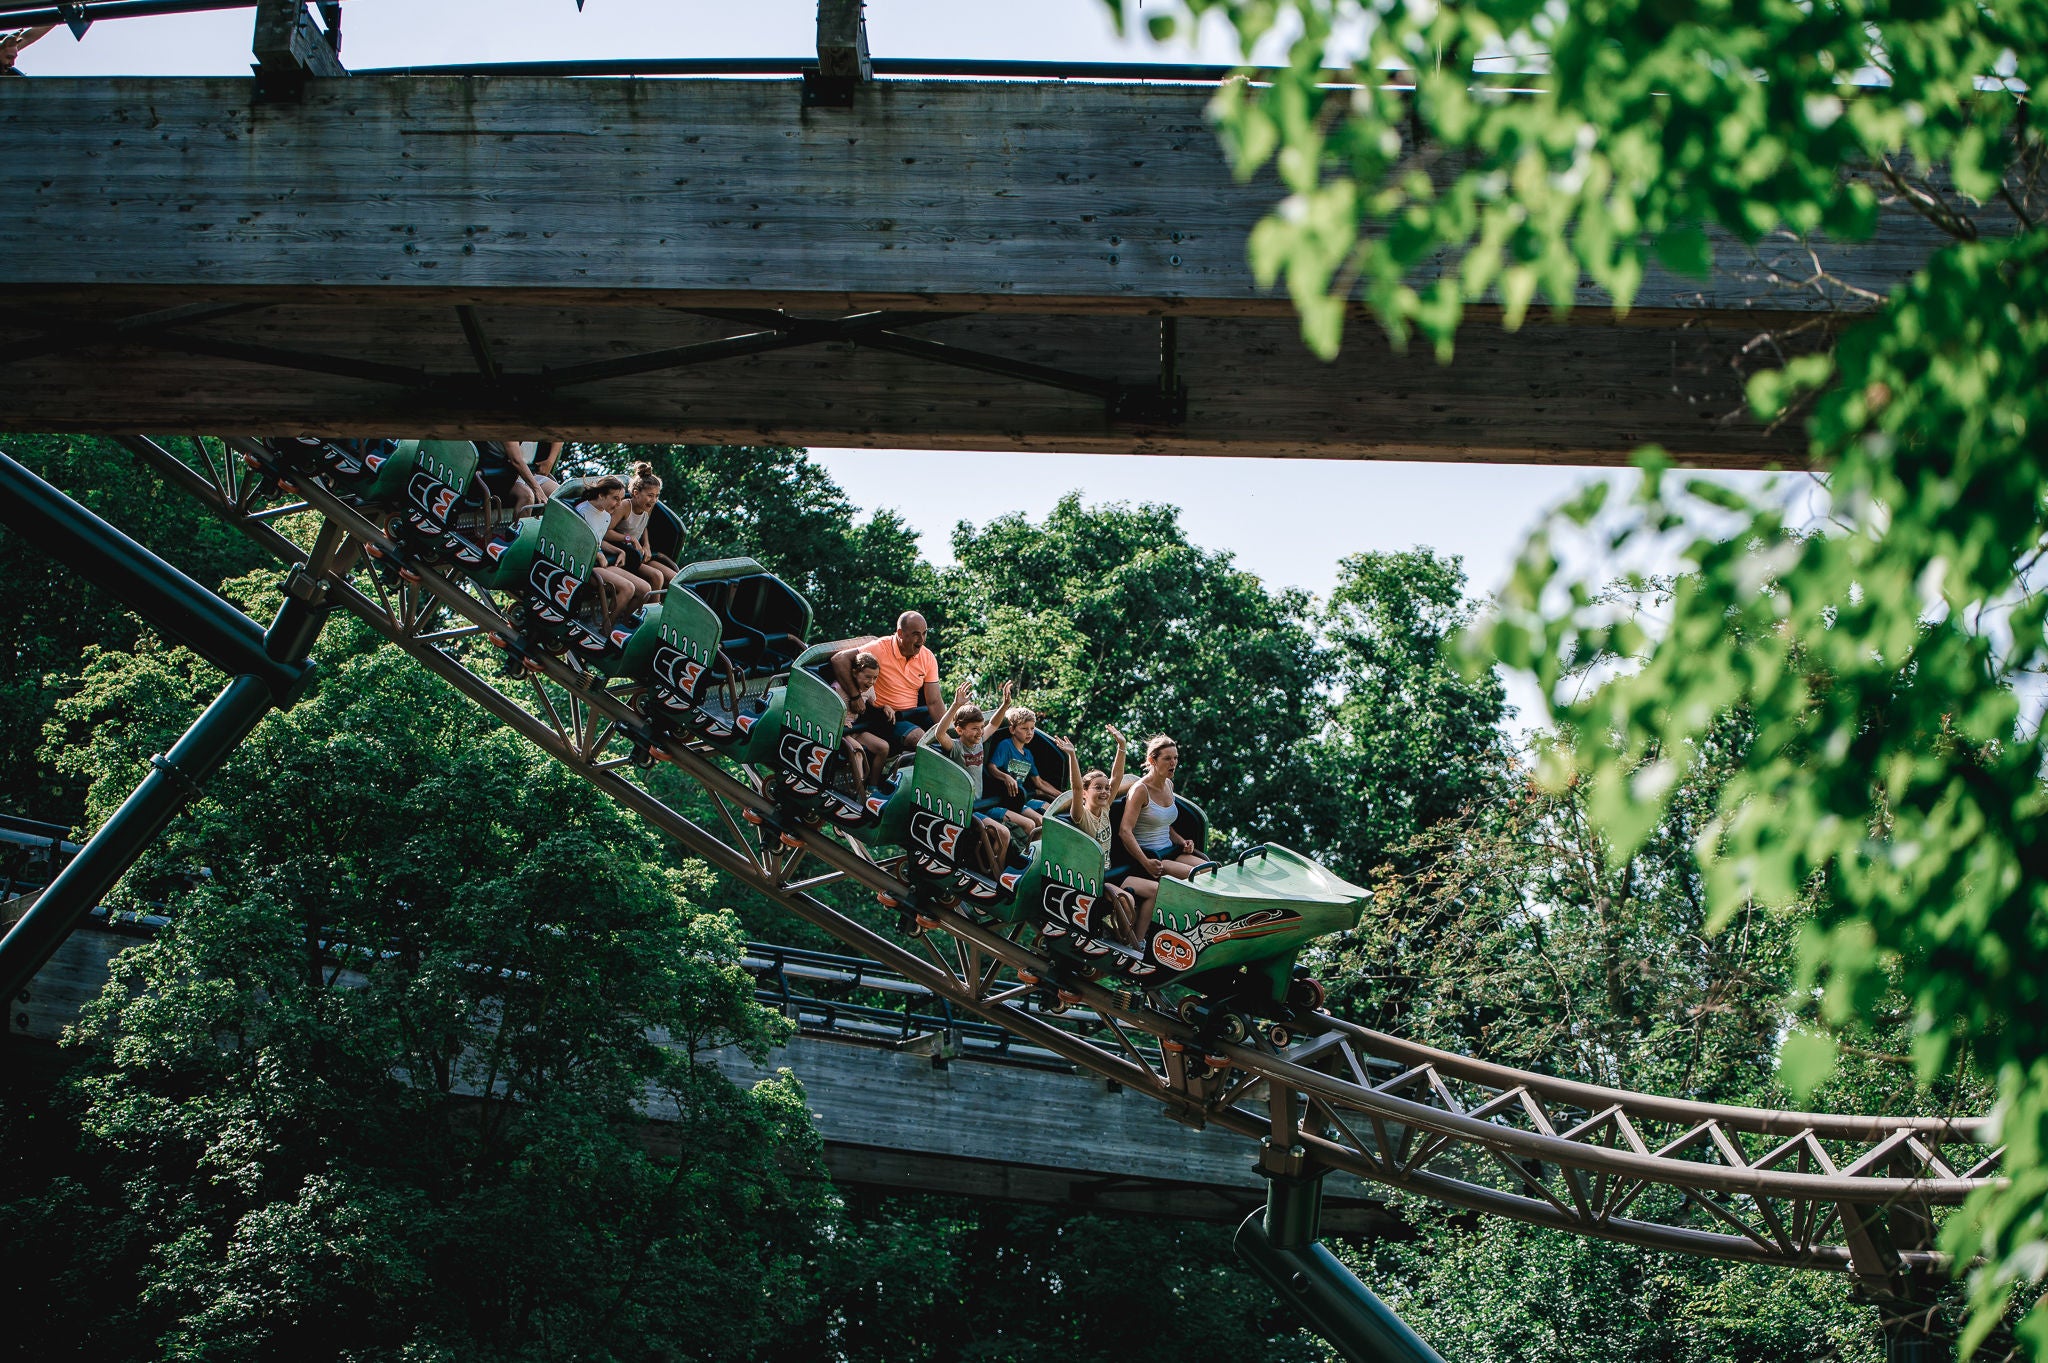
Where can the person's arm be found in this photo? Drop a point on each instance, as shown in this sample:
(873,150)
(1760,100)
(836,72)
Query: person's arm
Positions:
(995,721)
(945,721)
(1073,766)
(933,697)
(1127,829)
(515,454)
(1116,770)
(12,43)
(842,669)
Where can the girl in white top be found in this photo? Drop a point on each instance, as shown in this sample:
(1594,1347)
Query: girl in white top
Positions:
(866,752)
(1150,841)
(599,509)
(1089,811)
(629,530)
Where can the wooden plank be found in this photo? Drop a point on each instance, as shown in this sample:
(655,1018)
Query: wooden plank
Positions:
(857,1167)
(1584,393)
(1005,1116)
(1041,195)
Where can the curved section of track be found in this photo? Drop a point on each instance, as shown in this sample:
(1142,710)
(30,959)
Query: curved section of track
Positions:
(1807,1190)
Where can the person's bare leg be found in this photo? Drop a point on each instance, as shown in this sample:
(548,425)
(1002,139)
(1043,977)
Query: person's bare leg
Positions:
(1182,864)
(998,838)
(1124,910)
(877,749)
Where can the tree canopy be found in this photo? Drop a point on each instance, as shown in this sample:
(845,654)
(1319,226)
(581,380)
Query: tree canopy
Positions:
(1882,659)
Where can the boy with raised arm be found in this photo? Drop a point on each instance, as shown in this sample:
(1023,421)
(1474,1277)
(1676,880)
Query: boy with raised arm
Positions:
(961,735)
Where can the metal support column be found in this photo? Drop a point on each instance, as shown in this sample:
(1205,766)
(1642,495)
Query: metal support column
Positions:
(1281,1245)
(269,669)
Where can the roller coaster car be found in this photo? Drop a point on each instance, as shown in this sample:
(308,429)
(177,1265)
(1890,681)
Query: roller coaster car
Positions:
(1232,933)
(340,463)
(689,690)
(930,815)
(764,620)
(546,569)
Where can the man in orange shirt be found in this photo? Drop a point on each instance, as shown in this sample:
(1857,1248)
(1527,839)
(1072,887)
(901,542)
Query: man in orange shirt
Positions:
(907,685)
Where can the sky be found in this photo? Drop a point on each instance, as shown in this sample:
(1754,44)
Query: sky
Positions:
(1288,521)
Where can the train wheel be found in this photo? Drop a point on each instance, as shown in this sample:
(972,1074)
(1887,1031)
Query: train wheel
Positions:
(790,840)
(1280,1036)
(1306,991)
(1233,1029)
(1189,1009)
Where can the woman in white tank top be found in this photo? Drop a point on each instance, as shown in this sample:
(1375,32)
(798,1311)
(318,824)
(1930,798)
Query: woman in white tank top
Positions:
(1147,835)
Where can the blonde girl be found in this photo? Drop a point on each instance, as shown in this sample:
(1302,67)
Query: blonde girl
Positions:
(629,529)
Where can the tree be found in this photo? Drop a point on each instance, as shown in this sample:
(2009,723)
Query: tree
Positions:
(50,619)
(1878,661)
(1411,739)
(1107,614)
(1519,936)
(377,1091)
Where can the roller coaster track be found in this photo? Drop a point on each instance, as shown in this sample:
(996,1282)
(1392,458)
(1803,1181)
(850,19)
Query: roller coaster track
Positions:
(1860,1194)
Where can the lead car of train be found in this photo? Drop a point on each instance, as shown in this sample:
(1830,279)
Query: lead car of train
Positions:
(724,665)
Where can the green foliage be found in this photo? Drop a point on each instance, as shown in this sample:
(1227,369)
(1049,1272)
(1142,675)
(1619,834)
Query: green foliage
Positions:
(377,1091)
(1411,739)
(1493,1291)
(920,1280)
(1894,779)
(50,620)
(1632,127)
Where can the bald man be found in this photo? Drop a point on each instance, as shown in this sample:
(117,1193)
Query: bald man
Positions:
(908,683)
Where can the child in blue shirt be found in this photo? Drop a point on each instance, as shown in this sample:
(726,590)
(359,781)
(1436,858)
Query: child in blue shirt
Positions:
(1012,756)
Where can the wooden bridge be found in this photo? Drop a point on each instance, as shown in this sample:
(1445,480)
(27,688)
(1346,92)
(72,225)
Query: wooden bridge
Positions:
(941,263)
(899,1116)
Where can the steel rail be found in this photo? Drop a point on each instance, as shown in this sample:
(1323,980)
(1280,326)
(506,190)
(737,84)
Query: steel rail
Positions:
(1541,1146)
(1792,1236)
(1594,1097)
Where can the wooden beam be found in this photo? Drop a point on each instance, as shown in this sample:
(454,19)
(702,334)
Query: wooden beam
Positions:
(1032,195)
(1547,394)
(843,64)
(290,48)
(590,223)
